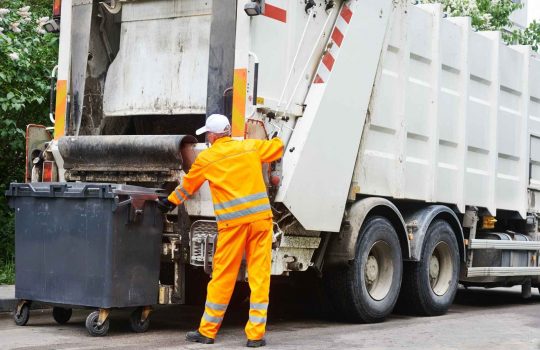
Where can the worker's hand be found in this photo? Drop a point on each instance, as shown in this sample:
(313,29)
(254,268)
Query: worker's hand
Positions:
(164,205)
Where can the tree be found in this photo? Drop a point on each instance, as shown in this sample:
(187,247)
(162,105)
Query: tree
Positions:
(493,15)
(527,36)
(27,56)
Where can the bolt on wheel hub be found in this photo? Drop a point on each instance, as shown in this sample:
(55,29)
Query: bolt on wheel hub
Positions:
(434,268)
(372,269)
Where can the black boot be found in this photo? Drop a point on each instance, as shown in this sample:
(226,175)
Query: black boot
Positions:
(256,343)
(197,337)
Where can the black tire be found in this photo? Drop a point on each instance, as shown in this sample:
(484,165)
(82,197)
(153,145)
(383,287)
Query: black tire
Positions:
(62,315)
(22,318)
(432,296)
(348,286)
(92,327)
(135,321)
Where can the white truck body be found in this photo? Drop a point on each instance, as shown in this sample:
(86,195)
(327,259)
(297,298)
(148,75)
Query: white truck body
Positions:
(452,118)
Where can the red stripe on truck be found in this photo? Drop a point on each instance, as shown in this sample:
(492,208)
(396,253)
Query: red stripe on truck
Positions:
(275,12)
(337,36)
(346,13)
(318,80)
(328,61)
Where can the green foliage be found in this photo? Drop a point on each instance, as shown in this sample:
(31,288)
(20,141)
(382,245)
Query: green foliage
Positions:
(7,273)
(485,14)
(27,56)
(528,36)
(493,15)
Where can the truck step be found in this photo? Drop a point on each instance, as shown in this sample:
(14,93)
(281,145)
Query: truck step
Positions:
(504,245)
(502,271)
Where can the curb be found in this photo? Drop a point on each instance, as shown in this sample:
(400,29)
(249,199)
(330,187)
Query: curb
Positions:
(8,300)
(7,305)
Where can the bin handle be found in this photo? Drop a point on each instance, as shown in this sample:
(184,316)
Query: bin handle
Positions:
(101,188)
(58,188)
(16,189)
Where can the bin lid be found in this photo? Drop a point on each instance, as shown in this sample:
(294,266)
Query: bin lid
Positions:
(80,190)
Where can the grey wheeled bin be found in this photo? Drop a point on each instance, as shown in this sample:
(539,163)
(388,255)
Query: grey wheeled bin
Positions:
(86,245)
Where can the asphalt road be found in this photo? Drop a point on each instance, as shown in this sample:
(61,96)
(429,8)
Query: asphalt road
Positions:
(479,319)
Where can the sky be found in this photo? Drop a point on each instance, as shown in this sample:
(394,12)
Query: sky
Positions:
(534,10)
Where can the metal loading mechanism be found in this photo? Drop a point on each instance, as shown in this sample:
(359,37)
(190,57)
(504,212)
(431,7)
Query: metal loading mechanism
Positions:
(126,157)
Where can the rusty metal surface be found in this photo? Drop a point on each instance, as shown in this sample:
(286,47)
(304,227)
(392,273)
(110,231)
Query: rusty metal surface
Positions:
(124,177)
(127,153)
(36,138)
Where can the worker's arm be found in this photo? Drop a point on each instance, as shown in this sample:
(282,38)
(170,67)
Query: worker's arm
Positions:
(190,184)
(270,150)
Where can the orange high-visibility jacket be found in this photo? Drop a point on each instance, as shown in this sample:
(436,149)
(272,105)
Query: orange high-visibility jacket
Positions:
(234,171)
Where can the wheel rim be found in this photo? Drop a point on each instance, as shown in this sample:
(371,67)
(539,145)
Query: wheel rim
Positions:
(379,270)
(96,327)
(440,269)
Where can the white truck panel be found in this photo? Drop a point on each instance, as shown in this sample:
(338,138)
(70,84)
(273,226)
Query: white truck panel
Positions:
(534,130)
(448,119)
(278,43)
(320,156)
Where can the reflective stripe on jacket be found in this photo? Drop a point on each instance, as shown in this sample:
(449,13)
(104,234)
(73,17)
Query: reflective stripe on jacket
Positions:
(234,171)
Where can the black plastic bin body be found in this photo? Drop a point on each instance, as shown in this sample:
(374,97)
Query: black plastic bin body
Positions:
(91,245)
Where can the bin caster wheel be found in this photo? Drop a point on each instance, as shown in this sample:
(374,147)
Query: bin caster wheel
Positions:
(92,326)
(61,315)
(21,314)
(136,323)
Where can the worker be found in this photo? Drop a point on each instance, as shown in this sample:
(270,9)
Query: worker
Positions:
(244,219)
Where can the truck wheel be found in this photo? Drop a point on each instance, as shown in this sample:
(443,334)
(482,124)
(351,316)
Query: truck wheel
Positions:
(135,322)
(368,288)
(92,325)
(22,318)
(430,285)
(61,315)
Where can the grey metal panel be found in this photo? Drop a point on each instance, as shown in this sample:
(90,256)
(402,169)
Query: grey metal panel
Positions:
(160,9)
(502,271)
(80,43)
(162,65)
(505,245)
(221,57)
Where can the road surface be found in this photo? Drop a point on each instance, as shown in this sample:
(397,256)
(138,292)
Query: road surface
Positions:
(479,319)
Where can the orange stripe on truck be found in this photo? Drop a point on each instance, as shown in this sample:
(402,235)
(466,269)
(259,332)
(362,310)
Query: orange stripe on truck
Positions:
(60,111)
(239,102)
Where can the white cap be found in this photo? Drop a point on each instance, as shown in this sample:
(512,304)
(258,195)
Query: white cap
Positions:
(216,123)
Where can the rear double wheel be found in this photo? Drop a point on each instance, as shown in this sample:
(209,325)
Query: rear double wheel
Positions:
(367,289)
(430,285)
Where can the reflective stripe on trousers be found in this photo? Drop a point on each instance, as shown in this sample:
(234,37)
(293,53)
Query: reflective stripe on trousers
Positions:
(214,312)
(256,240)
(257,315)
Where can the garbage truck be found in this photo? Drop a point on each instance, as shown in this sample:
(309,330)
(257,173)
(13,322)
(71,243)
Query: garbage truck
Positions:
(412,141)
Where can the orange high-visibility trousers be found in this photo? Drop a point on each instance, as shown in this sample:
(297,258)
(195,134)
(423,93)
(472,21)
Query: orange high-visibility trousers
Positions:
(255,239)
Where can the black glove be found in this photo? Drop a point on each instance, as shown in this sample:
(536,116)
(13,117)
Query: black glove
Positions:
(164,205)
